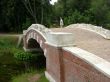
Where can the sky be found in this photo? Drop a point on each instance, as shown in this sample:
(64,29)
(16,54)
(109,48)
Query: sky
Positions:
(53,1)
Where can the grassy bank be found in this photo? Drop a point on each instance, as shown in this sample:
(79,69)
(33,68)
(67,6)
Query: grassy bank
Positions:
(8,65)
(33,76)
(12,70)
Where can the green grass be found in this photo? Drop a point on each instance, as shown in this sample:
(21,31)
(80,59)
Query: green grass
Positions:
(8,41)
(20,78)
(23,77)
(42,79)
(8,65)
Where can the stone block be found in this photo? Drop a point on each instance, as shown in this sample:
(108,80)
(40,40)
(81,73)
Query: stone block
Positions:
(60,39)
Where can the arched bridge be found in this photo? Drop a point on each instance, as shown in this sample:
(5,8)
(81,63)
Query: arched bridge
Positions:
(76,53)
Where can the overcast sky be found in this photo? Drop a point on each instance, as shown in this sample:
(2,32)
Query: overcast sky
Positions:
(53,1)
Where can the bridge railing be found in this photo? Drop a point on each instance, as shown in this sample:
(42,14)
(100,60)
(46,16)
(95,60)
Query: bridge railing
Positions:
(97,29)
(54,38)
(38,27)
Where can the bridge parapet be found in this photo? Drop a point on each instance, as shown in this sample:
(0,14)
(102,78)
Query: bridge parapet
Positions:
(54,38)
(60,39)
(38,27)
(97,29)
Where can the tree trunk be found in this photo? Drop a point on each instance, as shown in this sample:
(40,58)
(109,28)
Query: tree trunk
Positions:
(42,12)
(26,65)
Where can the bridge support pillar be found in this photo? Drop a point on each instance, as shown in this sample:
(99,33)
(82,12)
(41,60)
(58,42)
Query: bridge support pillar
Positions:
(54,57)
(25,45)
(54,64)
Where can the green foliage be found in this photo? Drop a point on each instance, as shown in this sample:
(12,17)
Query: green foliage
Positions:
(76,17)
(96,12)
(8,41)
(100,13)
(25,77)
(14,16)
(21,78)
(26,24)
(23,56)
(11,15)
(8,65)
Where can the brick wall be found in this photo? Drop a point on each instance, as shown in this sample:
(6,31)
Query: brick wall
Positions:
(77,70)
(53,62)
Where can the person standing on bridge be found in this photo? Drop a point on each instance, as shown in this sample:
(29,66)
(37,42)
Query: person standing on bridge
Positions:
(61,22)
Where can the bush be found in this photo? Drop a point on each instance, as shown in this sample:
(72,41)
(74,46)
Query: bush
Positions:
(76,17)
(23,56)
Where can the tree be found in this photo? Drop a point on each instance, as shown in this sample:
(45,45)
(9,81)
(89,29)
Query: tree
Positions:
(11,15)
(19,14)
(36,8)
(100,12)
(84,11)
(31,7)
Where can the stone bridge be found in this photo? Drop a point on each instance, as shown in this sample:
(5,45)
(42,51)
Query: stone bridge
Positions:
(76,53)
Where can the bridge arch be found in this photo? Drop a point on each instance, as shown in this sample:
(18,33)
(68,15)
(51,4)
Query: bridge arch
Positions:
(34,38)
(34,45)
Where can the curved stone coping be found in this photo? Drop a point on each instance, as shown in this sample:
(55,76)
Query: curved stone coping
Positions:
(97,29)
(38,27)
(58,39)
(43,34)
(41,29)
(97,62)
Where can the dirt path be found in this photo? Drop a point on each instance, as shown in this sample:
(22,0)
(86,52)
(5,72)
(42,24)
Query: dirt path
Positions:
(34,78)
(2,34)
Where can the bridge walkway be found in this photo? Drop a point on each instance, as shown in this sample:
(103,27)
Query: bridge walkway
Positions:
(89,41)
